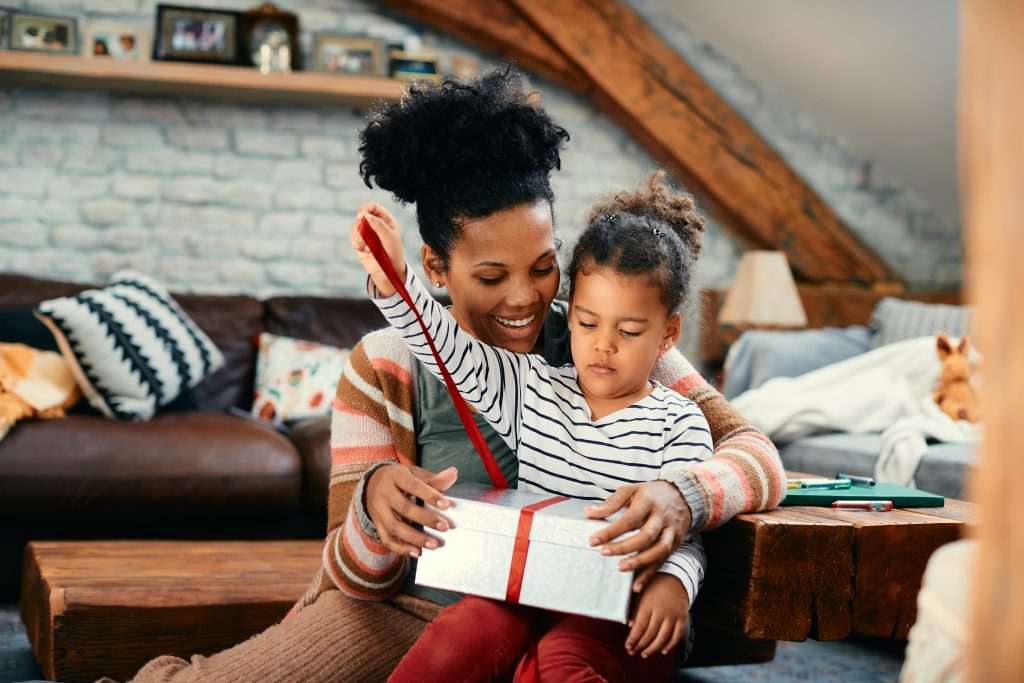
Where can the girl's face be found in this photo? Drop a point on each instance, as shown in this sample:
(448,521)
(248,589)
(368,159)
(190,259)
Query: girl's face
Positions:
(502,275)
(618,328)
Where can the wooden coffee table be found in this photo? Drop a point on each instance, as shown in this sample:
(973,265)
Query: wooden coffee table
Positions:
(105,608)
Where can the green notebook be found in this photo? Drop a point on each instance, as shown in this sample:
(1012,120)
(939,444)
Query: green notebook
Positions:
(901,496)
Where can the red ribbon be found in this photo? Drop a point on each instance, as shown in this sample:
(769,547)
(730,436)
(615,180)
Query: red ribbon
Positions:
(491,465)
(522,548)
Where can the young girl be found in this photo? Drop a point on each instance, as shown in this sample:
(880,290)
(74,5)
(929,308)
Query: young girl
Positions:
(579,431)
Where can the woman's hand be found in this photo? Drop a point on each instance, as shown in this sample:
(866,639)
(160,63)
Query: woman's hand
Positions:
(389,502)
(663,518)
(386,227)
(660,618)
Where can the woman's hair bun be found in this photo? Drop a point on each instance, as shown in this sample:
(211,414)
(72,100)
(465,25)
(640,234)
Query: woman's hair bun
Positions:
(442,133)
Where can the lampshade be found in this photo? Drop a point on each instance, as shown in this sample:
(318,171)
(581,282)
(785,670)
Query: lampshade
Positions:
(763,294)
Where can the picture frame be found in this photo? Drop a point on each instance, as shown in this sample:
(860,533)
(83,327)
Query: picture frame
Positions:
(5,23)
(407,66)
(195,34)
(270,36)
(347,54)
(42,33)
(116,42)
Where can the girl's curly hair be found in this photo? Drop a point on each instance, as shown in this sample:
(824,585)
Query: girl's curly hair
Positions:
(652,230)
(461,151)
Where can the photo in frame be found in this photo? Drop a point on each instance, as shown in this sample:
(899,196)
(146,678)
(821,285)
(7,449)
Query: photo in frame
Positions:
(116,42)
(358,55)
(193,34)
(270,38)
(406,66)
(43,33)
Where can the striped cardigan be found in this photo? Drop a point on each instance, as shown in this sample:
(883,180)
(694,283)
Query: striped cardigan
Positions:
(373,425)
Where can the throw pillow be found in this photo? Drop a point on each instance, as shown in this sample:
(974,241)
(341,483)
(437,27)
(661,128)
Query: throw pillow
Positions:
(896,320)
(295,379)
(131,346)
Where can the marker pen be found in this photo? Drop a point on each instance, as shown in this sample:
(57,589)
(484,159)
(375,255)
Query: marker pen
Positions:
(870,505)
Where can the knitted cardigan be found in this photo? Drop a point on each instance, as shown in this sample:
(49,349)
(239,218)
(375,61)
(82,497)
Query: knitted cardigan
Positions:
(373,425)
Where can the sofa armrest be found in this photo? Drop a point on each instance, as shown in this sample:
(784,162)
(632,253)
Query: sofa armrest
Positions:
(758,356)
(312,438)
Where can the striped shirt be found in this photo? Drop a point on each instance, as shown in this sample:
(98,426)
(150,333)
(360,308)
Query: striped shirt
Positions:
(541,413)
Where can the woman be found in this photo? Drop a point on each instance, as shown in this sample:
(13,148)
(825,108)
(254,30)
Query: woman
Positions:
(476,161)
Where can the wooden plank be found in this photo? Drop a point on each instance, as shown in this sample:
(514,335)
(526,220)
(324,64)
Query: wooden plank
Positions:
(684,124)
(199,80)
(498,26)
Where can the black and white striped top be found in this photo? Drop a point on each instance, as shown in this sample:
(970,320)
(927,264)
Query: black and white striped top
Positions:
(541,413)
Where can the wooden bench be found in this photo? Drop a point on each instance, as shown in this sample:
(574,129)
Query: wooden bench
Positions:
(105,608)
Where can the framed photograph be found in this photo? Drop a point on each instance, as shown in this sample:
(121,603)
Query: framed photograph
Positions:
(406,66)
(271,39)
(43,33)
(193,34)
(116,42)
(5,24)
(348,54)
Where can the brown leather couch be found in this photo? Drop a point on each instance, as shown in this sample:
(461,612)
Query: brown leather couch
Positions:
(197,472)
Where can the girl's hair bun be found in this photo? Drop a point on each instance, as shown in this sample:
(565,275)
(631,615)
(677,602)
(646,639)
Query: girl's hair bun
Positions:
(441,134)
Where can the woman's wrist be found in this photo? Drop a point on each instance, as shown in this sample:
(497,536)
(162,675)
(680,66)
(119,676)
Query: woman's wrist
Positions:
(689,490)
(359,501)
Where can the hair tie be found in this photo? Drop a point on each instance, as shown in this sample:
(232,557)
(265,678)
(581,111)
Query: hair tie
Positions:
(658,232)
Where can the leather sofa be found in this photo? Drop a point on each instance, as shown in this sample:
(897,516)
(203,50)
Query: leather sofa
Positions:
(193,471)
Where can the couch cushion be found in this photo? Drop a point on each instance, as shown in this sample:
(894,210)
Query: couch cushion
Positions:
(942,469)
(313,439)
(338,322)
(296,379)
(183,461)
(895,320)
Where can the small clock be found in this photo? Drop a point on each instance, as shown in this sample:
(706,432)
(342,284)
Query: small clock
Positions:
(271,38)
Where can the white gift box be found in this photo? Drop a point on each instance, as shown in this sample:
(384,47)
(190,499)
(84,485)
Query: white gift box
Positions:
(540,558)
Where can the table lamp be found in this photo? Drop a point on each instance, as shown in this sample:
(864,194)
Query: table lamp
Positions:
(763,295)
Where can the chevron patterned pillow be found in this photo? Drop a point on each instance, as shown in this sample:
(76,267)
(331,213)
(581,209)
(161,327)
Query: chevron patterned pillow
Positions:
(131,346)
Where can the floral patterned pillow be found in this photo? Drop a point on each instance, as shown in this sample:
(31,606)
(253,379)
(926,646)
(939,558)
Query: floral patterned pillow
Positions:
(295,379)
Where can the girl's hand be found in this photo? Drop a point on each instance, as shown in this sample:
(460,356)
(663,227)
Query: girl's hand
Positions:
(660,617)
(658,510)
(386,227)
(390,495)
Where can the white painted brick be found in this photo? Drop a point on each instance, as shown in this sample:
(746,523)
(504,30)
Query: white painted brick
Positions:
(345,280)
(207,139)
(207,218)
(5,101)
(136,187)
(241,272)
(75,187)
(314,249)
(304,197)
(90,159)
(344,124)
(235,167)
(106,263)
(57,263)
(172,240)
(326,147)
(149,111)
(29,183)
(66,131)
(342,176)
(298,171)
(331,224)
(108,211)
(59,211)
(8,155)
(40,155)
(145,135)
(266,249)
(187,270)
(293,274)
(211,245)
(353,196)
(263,143)
(244,193)
(48,5)
(30,233)
(74,236)
(207,113)
(64,105)
(282,223)
(110,6)
(305,120)
(166,161)
(187,189)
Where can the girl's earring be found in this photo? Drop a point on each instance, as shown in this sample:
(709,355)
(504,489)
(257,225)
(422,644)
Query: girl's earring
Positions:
(668,346)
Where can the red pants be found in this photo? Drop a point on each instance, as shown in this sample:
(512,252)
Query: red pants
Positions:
(483,640)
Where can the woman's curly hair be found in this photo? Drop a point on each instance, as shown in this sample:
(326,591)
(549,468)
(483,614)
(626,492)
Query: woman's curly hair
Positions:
(652,230)
(461,151)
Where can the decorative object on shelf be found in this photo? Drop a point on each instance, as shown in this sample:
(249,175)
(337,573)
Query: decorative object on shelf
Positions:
(465,68)
(192,34)
(43,33)
(763,295)
(348,54)
(271,39)
(118,42)
(5,23)
(407,66)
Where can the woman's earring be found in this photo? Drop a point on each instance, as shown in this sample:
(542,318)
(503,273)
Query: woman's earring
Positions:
(439,284)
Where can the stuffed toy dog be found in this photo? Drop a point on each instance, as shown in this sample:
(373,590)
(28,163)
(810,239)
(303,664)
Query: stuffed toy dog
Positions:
(954,393)
(33,383)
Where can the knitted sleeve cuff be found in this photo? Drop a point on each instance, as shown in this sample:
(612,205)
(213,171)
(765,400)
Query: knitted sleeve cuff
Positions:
(686,482)
(359,503)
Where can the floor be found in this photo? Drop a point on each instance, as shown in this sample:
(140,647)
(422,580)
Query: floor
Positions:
(849,661)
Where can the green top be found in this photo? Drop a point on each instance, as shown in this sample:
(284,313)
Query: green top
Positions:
(441,440)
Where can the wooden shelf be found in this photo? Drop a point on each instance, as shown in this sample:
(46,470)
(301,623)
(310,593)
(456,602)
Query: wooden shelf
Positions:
(198,80)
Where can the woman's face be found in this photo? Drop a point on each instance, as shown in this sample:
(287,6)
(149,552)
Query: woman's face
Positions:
(502,275)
